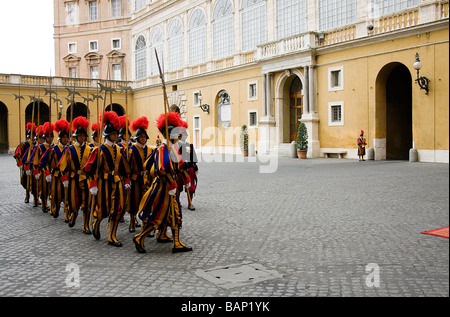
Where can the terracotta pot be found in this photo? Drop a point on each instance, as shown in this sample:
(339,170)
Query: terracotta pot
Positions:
(301,154)
(245,152)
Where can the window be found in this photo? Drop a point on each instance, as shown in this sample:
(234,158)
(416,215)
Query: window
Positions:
(94,72)
(336,78)
(71,13)
(252,118)
(252,90)
(156,43)
(336,113)
(93,46)
(175,45)
(291,17)
(140,58)
(382,7)
(223,29)
(115,44)
(72,72)
(117,72)
(116,8)
(197,132)
(72,48)
(224,107)
(197,38)
(139,4)
(253,24)
(335,13)
(92,10)
(197,100)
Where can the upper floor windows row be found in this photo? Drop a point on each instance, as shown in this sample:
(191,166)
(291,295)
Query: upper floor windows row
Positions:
(92,10)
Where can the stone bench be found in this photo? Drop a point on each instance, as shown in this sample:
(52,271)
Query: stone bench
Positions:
(338,152)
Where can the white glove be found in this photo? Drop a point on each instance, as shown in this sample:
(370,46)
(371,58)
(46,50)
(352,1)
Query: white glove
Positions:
(66,183)
(28,172)
(48,178)
(187,185)
(127,186)
(94,190)
(173,191)
(37,176)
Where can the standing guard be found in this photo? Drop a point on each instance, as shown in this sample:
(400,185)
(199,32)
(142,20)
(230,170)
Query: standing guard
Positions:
(33,167)
(189,156)
(71,164)
(49,162)
(21,153)
(108,168)
(45,134)
(159,206)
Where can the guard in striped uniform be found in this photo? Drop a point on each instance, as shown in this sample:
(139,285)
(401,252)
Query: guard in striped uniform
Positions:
(46,134)
(159,206)
(71,164)
(139,152)
(20,153)
(110,176)
(32,169)
(49,162)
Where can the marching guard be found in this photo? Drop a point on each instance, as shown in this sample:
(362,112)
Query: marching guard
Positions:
(71,164)
(20,153)
(139,152)
(107,168)
(361,146)
(49,162)
(95,137)
(159,206)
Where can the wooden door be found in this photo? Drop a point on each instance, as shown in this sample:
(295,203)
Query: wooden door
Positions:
(296,111)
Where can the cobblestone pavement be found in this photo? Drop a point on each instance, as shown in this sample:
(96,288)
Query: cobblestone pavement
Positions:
(315,227)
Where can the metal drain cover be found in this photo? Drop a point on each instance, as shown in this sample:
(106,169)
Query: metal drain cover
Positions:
(238,274)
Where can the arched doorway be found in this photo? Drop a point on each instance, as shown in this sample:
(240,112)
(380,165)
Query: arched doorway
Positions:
(116,108)
(394,111)
(295,106)
(79,110)
(41,113)
(4,144)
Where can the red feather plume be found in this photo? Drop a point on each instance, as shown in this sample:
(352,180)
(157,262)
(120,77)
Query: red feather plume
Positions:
(173,119)
(62,125)
(112,118)
(80,122)
(123,122)
(48,128)
(29,125)
(40,130)
(95,127)
(139,123)
(184,124)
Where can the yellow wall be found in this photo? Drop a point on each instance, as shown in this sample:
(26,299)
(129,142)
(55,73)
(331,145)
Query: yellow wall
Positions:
(362,66)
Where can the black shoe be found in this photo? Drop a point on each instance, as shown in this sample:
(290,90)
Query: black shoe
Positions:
(87,231)
(115,243)
(46,209)
(26,201)
(191,207)
(131,230)
(182,249)
(72,220)
(139,249)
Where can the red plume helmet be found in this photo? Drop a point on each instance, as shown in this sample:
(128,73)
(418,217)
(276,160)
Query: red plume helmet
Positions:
(31,126)
(95,127)
(112,118)
(62,127)
(123,122)
(48,128)
(140,123)
(80,122)
(173,119)
(362,132)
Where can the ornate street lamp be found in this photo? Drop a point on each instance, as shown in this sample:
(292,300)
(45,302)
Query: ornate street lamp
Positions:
(204,107)
(421,80)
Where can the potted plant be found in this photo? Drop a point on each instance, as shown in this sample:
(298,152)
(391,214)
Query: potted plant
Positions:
(244,140)
(302,141)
